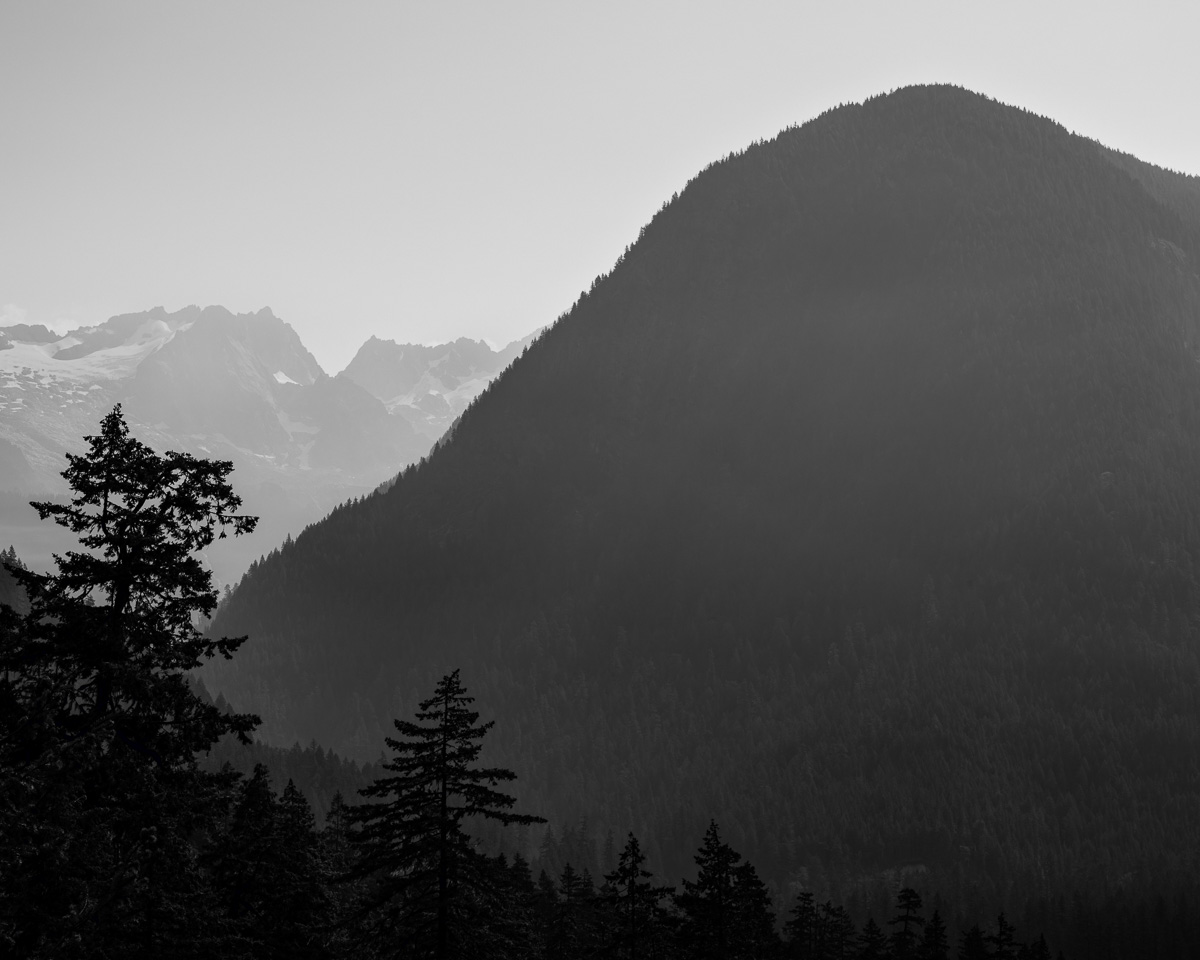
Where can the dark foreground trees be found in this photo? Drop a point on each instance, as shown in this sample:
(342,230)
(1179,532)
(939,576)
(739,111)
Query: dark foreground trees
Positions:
(433,894)
(99,726)
(727,908)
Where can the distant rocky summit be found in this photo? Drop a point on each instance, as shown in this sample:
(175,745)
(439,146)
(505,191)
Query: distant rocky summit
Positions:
(238,387)
(429,386)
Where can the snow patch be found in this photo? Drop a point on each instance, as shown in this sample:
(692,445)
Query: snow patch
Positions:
(281,377)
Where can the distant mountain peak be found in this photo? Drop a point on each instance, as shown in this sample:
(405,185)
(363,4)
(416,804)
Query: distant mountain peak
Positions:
(430,386)
(216,383)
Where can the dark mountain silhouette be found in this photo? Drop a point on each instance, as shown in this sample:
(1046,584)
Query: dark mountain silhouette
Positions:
(857,508)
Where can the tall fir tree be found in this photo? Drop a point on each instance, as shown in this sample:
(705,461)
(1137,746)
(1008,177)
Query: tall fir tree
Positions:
(1003,942)
(269,874)
(754,919)
(708,901)
(935,945)
(726,910)
(637,917)
(873,943)
(837,937)
(101,726)
(572,930)
(433,893)
(337,854)
(907,924)
(972,945)
(800,929)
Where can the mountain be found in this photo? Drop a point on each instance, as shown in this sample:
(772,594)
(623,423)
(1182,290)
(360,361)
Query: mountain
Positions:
(858,507)
(430,386)
(239,387)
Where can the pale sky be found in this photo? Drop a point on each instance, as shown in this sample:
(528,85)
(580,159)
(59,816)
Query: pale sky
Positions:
(422,171)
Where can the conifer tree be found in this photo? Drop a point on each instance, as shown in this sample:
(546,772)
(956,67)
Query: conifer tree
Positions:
(100,723)
(837,937)
(1004,941)
(873,943)
(545,904)
(908,923)
(269,873)
(336,854)
(973,945)
(244,861)
(522,904)
(754,925)
(800,930)
(934,942)
(708,902)
(727,910)
(432,889)
(571,929)
(301,904)
(635,902)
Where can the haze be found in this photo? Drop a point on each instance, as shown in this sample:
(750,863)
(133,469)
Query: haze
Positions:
(425,171)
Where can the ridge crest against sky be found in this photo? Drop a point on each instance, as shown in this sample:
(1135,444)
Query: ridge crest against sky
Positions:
(426,171)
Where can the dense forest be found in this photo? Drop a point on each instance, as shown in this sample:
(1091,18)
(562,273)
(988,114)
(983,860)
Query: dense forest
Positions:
(123,832)
(855,508)
(120,839)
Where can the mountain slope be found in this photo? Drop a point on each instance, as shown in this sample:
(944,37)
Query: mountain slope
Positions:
(856,508)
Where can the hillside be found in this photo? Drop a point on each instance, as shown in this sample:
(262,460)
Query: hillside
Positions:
(857,507)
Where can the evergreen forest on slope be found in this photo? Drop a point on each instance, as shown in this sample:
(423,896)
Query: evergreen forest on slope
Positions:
(856,509)
(122,833)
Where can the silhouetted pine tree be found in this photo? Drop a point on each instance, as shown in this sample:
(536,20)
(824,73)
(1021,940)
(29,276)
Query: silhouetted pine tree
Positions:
(545,905)
(1038,950)
(934,943)
(336,852)
(727,910)
(708,902)
(269,875)
(800,930)
(1004,941)
(433,892)
(634,904)
(754,920)
(101,794)
(908,923)
(873,943)
(972,945)
(573,928)
(837,938)
(301,905)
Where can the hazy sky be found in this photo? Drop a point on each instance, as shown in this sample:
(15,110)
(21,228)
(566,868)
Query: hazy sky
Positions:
(421,171)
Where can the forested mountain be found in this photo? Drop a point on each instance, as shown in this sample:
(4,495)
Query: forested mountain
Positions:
(857,508)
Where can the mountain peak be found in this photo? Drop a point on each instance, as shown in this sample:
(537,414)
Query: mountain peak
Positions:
(810,478)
